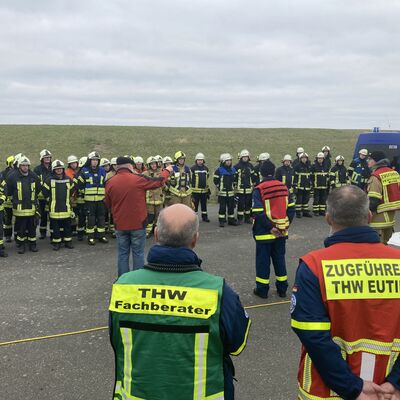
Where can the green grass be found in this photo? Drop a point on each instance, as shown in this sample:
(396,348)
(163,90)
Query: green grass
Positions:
(109,141)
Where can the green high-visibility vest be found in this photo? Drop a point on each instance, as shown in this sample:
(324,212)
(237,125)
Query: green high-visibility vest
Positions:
(166,336)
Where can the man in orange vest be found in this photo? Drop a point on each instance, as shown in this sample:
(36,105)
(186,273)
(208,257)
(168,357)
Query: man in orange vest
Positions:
(346,308)
(383,190)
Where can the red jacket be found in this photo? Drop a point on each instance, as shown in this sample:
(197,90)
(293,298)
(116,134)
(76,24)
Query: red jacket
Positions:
(126,197)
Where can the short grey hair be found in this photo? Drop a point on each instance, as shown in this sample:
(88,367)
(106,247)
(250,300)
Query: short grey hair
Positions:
(168,235)
(348,206)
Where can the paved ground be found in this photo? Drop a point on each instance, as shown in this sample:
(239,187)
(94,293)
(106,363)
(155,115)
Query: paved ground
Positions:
(49,293)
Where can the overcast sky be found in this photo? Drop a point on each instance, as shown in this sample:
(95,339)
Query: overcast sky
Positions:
(232,63)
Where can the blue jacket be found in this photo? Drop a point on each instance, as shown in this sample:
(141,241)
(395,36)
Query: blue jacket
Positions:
(307,306)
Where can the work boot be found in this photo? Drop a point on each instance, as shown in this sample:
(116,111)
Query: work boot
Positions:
(33,247)
(259,294)
(298,214)
(316,213)
(103,239)
(42,235)
(282,294)
(307,214)
(222,224)
(205,219)
(322,213)
(233,222)
(8,239)
(69,245)
(113,234)
(21,248)
(56,246)
(91,241)
(247,220)
(80,236)
(3,253)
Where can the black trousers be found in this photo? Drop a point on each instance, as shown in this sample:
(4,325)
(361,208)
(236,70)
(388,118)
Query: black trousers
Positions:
(244,205)
(95,212)
(7,222)
(25,228)
(44,216)
(1,229)
(226,203)
(81,214)
(61,230)
(319,204)
(200,198)
(302,199)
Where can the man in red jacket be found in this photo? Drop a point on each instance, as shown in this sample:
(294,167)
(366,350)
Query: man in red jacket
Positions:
(126,197)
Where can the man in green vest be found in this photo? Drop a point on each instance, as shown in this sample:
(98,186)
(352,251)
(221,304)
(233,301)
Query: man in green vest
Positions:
(173,326)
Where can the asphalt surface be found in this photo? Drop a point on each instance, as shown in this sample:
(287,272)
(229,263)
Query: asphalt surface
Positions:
(54,292)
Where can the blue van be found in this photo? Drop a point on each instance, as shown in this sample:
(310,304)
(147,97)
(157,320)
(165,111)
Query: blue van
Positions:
(388,142)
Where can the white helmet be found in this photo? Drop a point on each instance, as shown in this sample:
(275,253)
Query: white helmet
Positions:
(151,159)
(138,159)
(244,153)
(104,161)
(23,160)
(17,157)
(158,158)
(44,153)
(287,157)
(263,157)
(339,158)
(225,157)
(82,162)
(167,159)
(303,155)
(300,150)
(72,159)
(326,148)
(363,152)
(113,161)
(57,164)
(94,155)
(199,156)
(320,155)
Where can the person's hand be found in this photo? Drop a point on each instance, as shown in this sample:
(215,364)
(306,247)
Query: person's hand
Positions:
(169,168)
(276,232)
(391,393)
(371,391)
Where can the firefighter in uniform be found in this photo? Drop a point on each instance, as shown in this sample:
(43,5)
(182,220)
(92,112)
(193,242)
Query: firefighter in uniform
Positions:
(112,171)
(383,190)
(139,165)
(225,181)
(80,201)
(345,308)
(285,173)
(23,186)
(260,159)
(302,186)
(166,161)
(359,172)
(273,210)
(7,220)
(2,201)
(58,190)
(339,175)
(154,198)
(180,181)
(190,321)
(246,179)
(326,150)
(201,191)
(43,171)
(320,182)
(296,162)
(71,172)
(91,183)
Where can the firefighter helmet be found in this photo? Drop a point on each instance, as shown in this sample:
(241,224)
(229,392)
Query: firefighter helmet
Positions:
(72,159)
(167,159)
(303,155)
(225,157)
(150,160)
(57,164)
(104,161)
(199,156)
(113,161)
(363,152)
(339,158)
(244,153)
(300,150)
(263,157)
(158,158)
(82,162)
(138,160)
(23,160)
(44,153)
(10,160)
(94,155)
(287,157)
(320,155)
(326,148)
(179,154)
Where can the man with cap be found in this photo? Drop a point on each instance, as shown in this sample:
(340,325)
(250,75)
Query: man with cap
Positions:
(123,190)
(273,211)
(383,190)
(43,171)
(201,191)
(358,170)
(174,327)
(23,186)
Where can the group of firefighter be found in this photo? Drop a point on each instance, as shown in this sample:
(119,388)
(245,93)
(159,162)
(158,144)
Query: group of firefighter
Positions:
(69,199)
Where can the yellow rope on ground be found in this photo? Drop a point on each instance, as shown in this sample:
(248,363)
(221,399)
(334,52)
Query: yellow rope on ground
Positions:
(102,328)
